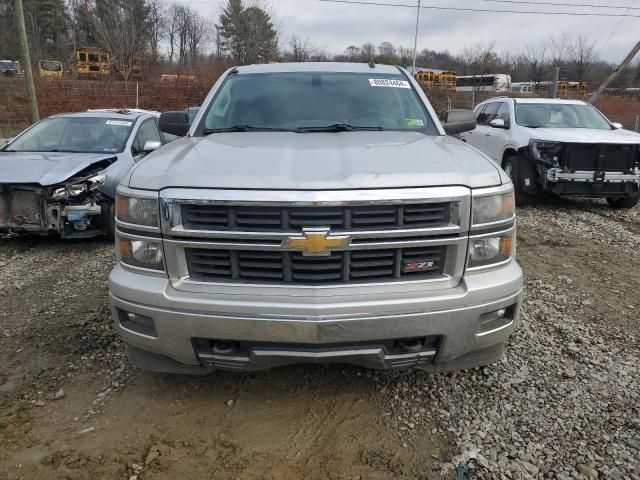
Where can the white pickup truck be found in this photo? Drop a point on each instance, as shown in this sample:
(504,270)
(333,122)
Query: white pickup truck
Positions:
(562,146)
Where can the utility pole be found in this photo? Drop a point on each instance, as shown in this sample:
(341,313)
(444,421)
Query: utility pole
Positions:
(554,85)
(26,62)
(615,73)
(415,42)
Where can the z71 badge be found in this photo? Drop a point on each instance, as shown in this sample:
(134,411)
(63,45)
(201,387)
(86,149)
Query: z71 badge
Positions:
(408,267)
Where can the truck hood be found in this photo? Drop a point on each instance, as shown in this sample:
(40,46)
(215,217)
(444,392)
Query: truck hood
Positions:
(46,168)
(314,161)
(585,135)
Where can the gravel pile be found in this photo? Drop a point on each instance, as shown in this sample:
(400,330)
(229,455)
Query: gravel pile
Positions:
(565,401)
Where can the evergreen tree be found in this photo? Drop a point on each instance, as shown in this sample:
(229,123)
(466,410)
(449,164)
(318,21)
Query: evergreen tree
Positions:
(247,34)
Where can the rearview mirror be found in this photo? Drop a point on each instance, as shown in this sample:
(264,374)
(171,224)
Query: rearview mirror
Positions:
(497,123)
(617,126)
(151,145)
(459,121)
(175,123)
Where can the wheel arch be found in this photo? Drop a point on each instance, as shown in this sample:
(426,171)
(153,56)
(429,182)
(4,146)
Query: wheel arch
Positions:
(509,152)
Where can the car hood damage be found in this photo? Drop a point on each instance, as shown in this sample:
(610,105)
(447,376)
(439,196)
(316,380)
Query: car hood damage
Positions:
(315,161)
(585,135)
(48,168)
(53,192)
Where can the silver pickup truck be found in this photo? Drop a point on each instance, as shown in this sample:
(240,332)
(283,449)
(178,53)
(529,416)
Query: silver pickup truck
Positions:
(315,213)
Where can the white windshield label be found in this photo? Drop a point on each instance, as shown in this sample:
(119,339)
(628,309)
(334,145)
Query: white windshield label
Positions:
(385,82)
(120,123)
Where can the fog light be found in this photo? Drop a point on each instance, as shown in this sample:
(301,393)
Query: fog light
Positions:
(137,323)
(498,319)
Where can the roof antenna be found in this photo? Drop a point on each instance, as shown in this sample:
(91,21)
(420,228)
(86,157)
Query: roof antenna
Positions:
(372,64)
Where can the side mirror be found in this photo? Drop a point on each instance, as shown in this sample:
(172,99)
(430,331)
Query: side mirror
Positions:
(617,126)
(459,121)
(175,123)
(151,145)
(497,123)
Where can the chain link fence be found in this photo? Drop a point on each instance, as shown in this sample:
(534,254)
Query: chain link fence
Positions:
(10,130)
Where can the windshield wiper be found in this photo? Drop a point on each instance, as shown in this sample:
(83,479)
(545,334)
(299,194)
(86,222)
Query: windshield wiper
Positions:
(338,127)
(243,128)
(57,150)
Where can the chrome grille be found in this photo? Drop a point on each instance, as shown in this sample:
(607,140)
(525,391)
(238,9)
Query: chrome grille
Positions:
(217,239)
(212,265)
(221,217)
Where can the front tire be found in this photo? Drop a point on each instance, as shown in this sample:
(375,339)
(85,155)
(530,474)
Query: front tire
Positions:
(109,220)
(624,202)
(515,167)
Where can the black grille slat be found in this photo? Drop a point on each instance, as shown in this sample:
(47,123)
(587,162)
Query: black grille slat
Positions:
(293,267)
(353,217)
(612,158)
(205,265)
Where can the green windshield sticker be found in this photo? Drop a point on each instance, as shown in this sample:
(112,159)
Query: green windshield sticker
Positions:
(414,122)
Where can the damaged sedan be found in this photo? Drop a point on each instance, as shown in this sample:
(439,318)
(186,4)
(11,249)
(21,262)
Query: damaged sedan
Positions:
(59,176)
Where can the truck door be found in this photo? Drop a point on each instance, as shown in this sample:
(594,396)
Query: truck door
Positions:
(496,138)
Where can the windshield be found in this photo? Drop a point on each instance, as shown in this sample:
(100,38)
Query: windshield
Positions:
(75,134)
(50,66)
(559,115)
(314,100)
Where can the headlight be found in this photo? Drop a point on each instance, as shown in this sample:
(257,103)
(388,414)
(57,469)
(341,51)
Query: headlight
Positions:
(137,211)
(493,208)
(97,181)
(487,251)
(69,191)
(141,253)
(545,151)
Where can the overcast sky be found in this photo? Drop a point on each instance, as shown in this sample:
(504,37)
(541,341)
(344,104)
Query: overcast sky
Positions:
(334,26)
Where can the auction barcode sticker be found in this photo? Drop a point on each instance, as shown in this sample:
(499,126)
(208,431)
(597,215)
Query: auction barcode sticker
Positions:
(120,123)
(385,82)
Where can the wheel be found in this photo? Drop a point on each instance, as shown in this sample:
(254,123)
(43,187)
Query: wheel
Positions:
(518,169)
(624,202)
(109,220)
(510,168)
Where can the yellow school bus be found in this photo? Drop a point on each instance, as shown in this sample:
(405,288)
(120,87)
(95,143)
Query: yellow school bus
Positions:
(50,69)
(440,79)
(92,62)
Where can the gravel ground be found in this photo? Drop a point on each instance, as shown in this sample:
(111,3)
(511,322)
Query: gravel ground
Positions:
(564,403)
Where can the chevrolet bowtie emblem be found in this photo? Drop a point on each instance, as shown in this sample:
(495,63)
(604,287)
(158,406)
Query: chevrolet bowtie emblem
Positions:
(316,242)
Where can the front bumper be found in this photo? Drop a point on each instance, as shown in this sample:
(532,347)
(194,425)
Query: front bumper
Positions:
(590,183)
(354,329)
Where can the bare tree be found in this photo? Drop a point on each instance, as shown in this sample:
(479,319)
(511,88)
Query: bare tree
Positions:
(481,59)
(173,27)
(299,50)
(367,52)
(158,26)
(197,33)
(387,54)
(582,56)
(352,53)
(537,61)
(122,28)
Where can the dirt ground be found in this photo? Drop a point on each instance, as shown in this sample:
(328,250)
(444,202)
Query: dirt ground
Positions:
(72,408)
